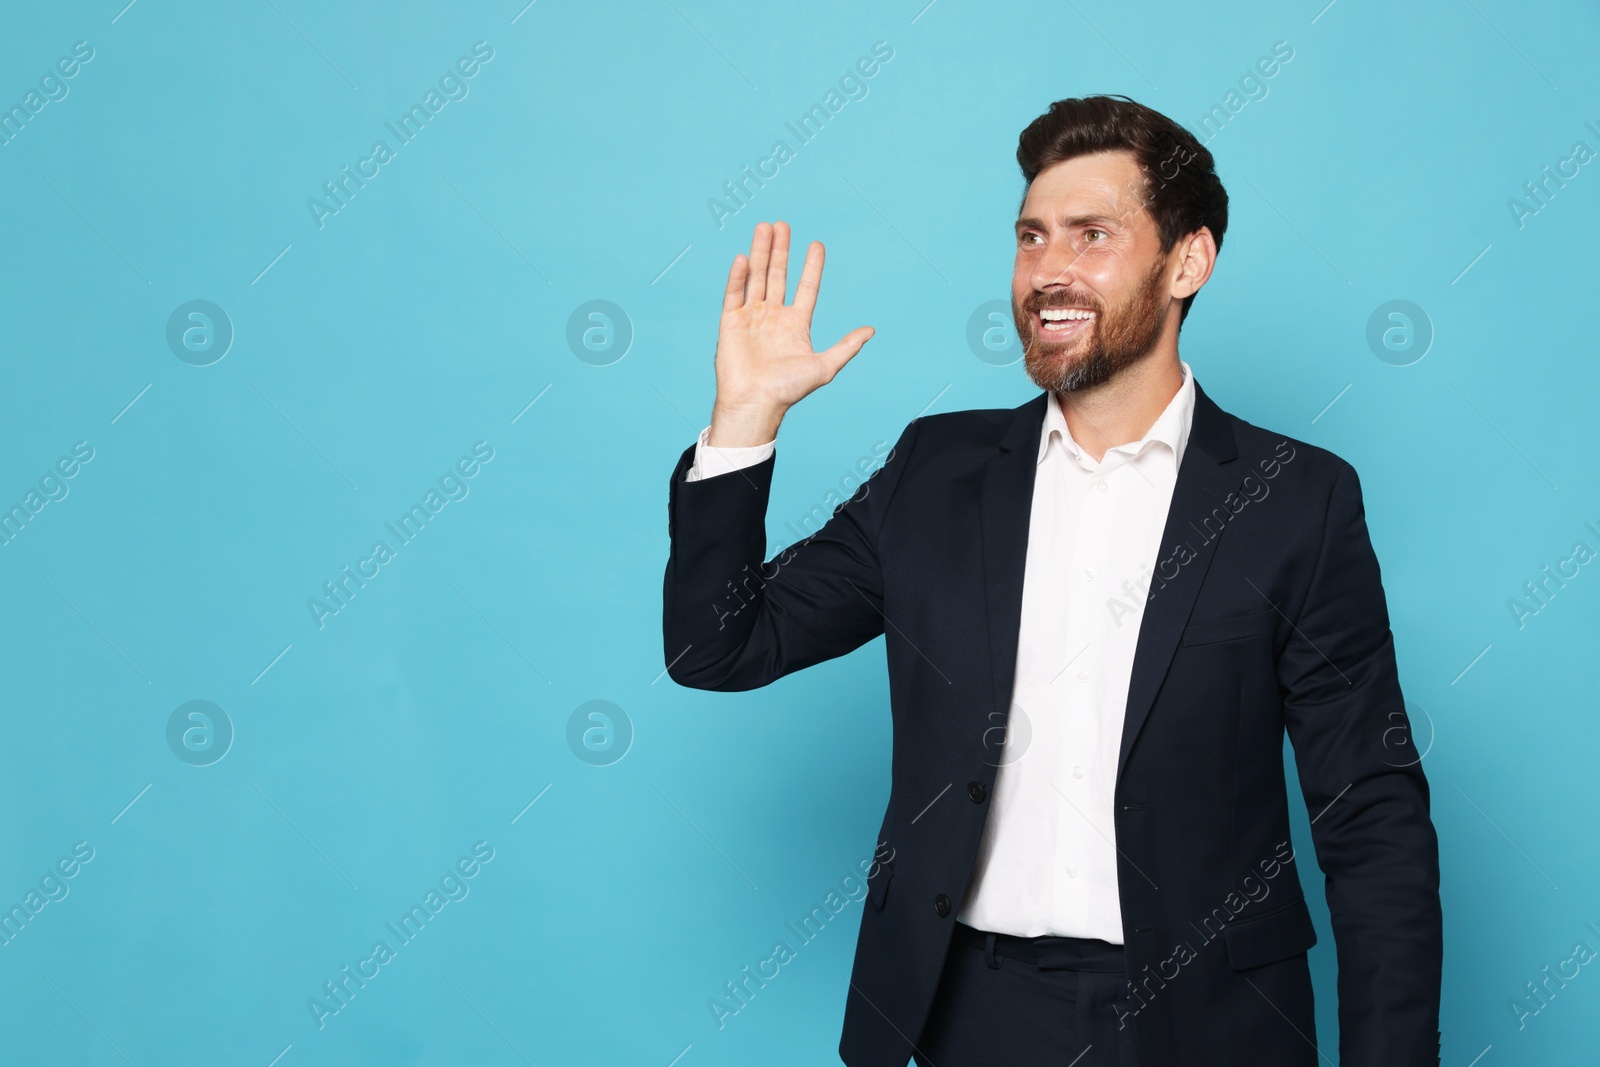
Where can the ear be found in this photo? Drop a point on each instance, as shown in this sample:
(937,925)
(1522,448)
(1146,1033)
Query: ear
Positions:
(1196,255)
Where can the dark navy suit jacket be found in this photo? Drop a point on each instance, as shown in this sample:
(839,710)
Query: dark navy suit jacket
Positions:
(1266,612)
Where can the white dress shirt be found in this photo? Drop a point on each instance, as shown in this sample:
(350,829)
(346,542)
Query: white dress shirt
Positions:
(1047,861)
(712,460)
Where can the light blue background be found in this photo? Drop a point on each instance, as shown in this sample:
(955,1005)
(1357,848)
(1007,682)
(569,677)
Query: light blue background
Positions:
(428,314)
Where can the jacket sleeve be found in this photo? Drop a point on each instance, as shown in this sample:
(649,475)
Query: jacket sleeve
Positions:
(732,622)
(1369,802)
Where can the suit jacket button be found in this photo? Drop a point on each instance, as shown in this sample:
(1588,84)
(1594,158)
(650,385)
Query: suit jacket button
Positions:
(941,904)
(975,791)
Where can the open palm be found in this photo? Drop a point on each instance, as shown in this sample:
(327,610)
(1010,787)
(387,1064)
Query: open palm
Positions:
(765,358)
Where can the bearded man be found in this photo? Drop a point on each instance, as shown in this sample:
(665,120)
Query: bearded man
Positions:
(1102,611)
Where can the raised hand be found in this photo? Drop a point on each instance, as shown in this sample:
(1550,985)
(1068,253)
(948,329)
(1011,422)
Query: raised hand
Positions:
(765,360)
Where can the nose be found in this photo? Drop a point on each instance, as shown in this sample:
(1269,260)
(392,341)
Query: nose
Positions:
(1055,268)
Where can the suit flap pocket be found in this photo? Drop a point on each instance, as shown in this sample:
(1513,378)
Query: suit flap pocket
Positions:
(878,884)
(1229,627)
(1269,938)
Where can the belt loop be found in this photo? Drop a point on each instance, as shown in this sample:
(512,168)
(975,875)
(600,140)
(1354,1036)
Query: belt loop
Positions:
(988,951)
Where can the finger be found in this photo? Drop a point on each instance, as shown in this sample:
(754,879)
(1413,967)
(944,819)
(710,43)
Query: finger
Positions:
(836,357)
(805,294)
(733,295)
(778,271)
(760,252)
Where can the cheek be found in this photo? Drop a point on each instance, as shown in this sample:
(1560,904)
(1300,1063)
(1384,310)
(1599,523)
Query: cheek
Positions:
(1119,280)
(1103,268)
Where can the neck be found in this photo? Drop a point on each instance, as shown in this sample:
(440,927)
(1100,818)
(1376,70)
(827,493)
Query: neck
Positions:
(1123,409)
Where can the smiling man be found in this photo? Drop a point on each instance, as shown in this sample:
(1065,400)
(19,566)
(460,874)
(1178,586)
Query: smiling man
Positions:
(1102,609)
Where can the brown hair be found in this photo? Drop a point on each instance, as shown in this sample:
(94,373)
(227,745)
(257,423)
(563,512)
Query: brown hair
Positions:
(1182,190)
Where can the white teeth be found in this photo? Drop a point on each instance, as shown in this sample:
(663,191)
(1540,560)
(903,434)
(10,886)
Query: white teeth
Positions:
(1058,314)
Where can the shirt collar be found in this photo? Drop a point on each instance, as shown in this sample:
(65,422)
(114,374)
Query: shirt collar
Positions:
(1170,428)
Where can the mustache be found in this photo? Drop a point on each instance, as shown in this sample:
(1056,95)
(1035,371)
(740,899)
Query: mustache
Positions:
(1039,302)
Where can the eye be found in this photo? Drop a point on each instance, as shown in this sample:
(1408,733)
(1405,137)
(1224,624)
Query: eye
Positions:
(1092,232)
(1025,237)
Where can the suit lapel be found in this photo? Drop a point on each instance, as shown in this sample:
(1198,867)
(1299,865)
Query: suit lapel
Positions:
(1202,486)
(1005,504)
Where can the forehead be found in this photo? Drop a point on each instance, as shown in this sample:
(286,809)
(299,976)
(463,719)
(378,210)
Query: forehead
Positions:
(1106,184)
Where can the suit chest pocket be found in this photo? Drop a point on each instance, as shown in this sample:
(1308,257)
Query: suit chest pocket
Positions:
(1255,624)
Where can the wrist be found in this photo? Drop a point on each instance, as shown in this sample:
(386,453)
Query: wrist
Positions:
(743,427)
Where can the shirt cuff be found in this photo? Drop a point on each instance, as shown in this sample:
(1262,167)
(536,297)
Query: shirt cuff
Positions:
(712,460)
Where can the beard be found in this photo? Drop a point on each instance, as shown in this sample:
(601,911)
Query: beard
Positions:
(1106,345)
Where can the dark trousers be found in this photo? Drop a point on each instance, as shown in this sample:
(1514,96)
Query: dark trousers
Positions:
(1039,1001)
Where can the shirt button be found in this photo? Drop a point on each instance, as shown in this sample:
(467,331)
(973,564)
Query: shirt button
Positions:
(1101,486)
(1077,772)
(1072,872)
(1088,574)
(1083,676)
(941,904)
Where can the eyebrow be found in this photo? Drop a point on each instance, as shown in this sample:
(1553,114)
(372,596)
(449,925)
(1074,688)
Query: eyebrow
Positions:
(1033,223)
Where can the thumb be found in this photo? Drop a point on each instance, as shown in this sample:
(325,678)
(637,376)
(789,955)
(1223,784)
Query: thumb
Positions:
(845,350)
